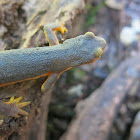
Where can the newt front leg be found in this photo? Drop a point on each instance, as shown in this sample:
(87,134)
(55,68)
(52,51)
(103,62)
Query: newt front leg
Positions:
(49,30)
(52,39)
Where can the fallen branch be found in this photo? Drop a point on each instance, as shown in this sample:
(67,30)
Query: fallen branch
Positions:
(95,115)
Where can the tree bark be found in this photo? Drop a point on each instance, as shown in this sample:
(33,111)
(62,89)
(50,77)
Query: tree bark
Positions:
(19,28)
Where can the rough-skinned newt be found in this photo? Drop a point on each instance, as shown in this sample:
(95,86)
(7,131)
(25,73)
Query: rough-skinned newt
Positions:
(24,64)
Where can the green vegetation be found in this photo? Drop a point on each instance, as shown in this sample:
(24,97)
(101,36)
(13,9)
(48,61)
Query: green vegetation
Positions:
(92,11)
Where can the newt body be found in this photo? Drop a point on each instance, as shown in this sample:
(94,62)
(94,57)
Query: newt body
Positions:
(24,64)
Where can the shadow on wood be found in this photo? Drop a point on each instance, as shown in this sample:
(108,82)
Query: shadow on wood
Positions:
(95,114)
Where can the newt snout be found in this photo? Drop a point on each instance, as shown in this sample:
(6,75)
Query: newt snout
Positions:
(98,41)
(95,44)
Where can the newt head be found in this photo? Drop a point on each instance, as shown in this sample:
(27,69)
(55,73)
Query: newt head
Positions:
(87,48)
(92,47)
(98,43)
(84,49)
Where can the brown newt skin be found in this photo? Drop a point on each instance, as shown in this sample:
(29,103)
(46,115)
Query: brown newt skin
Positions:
(30,63)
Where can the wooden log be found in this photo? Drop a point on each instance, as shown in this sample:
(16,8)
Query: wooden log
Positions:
(95,114)
(24,35)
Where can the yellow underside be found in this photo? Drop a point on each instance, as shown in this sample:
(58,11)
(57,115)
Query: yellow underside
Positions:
(2,85)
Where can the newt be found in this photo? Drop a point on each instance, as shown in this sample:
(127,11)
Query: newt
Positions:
(18,65)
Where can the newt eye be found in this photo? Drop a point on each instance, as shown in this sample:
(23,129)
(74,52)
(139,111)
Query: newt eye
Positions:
(90,34)
(98,53)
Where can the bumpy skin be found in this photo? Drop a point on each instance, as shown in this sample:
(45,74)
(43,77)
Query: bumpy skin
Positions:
(21,64)
(24,64)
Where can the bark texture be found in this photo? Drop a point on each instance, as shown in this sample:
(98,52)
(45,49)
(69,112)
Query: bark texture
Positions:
(19,28)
